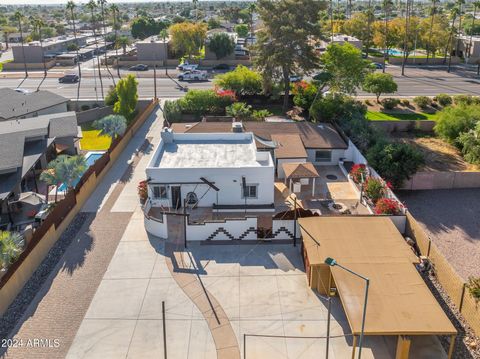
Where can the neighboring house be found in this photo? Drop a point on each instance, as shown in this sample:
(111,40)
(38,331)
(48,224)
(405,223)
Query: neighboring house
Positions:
(152,49)
(468,46)
(15,105)
(17,37)
(25,144)
(298,142)
(219,170)
(341,39)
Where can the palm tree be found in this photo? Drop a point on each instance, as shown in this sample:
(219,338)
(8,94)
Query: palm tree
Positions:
(112,125)
(7,30)
(92,5)
(195,2)
(432,14)
(11,246)
(71,7)
(69,169)
(369,25)
(37,24)
(49,176)
(406,35)
(460,4)
(386,6)
(114,10)
(102,4)
(123,42)
(251,10)
(19,17)
(454,13)
(476,5)
(164,35)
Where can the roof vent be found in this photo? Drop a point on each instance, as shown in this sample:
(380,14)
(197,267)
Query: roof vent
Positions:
(167,135)
(237,127)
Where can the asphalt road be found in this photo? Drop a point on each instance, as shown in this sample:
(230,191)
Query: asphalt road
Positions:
(418,81)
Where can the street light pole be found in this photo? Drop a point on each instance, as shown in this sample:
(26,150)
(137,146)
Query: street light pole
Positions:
(332,262)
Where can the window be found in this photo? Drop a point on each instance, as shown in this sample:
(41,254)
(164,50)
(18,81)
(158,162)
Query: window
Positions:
(250,191)
(160,192)
(323,156)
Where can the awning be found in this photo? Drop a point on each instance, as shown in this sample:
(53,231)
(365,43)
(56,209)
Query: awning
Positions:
(299,170)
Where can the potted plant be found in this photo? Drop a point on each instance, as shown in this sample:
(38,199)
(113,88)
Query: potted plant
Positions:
(358,172)
(142,190)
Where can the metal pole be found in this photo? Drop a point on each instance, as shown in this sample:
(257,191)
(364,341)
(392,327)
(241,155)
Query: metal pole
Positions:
(164,331)
(185,222)
(295,222)
(328,325)
(363,319)
(155,80)
(244,346)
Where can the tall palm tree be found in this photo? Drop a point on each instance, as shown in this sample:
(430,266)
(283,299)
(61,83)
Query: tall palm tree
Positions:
(454,13)
(69,169)
(164,35)
(37,24)
(476,5)
(432,20)
(331,19)
(251,10)
(386,8)
(11,246)
(102,4)
(195,2)
(49,176)
(406,34)
(114,10)
(369,25)
(19,17)
(92,5)
(7,30)
(460,4)
(71,8)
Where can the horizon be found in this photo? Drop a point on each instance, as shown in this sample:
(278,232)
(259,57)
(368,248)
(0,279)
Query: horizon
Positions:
(63,2)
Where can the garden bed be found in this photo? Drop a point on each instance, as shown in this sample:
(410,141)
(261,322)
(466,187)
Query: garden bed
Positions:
(439,155)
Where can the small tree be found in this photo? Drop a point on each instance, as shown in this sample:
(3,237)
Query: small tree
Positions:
(112,97)
(221,44)
(123,42)
(379,83)
(241,30)
(242,81)
(470,143)
(240,111)
(452,121)
(188,38)
(304,94)
(127,97)
(111,125)
(11,245)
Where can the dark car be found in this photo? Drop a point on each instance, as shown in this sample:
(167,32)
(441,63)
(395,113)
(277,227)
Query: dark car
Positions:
(221,67)
(377,65)
(69,79)
(139,67)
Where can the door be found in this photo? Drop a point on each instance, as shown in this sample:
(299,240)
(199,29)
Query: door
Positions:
(176,197)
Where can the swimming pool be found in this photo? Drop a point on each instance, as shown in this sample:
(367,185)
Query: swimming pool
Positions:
(90,158)
(395,52)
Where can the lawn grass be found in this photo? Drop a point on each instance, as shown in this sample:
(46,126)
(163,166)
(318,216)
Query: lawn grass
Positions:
(4,62)
(381,116)
(92,140)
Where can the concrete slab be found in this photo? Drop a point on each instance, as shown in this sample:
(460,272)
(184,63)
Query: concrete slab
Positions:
(259,298)
(132,260)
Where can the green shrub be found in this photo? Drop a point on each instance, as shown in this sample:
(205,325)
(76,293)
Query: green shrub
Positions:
(112,97)
(374,188)
(470,144)
(85,107)
(390,103)
(201,102)
(11,246)
(172,111)
(240,111)
(422,101)
(406,103)
(444,99)
(395,162)
(462,100)
(242,81)
(335,107)
(473,286)
(259,115)
(452,121)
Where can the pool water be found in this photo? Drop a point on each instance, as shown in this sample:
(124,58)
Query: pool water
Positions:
(90,158)
(395,52)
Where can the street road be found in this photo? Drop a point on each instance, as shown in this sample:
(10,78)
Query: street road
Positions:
(418,81)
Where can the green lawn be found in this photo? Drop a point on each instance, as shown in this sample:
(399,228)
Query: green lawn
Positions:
(91,140)
(4,62)
(381,116)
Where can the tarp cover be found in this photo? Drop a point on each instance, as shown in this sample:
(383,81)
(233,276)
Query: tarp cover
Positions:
(399,302)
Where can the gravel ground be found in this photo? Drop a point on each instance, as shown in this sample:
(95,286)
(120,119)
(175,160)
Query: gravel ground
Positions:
(34,284)
(451,219)
(467,345)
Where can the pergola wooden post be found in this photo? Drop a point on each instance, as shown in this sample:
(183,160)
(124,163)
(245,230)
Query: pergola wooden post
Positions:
(403,347)
(354,346)
(452,346)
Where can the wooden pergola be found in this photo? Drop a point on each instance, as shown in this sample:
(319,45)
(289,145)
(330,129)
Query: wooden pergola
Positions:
(299,170)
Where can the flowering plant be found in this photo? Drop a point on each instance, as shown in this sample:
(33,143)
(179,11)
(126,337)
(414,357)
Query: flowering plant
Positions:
(226,93)
(142,190)
(357,171)
(388,206)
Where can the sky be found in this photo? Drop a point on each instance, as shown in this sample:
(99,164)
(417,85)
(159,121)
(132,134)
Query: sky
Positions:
(56,2)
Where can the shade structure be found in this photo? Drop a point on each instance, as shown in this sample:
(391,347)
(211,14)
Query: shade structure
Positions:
(399,301)
(300,170)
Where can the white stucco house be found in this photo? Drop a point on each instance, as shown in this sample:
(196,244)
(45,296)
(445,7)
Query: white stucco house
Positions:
(223,171)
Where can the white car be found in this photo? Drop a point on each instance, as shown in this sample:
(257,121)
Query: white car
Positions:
(187,67)
(24,91)
(194,75)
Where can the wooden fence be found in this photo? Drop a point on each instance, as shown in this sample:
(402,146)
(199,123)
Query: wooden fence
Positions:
(451,282)
(46,235)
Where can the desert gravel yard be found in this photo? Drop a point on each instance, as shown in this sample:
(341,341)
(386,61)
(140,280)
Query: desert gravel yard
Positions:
(451,218)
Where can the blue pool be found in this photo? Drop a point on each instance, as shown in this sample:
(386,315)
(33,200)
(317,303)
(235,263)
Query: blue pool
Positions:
(395,52)
(90,158)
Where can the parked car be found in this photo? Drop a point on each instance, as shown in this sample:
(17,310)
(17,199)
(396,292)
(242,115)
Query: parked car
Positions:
(187,67)
(24,91)
(69,79)
(139,67)
(221,67)
(377,65)
(295,78)
(193,75)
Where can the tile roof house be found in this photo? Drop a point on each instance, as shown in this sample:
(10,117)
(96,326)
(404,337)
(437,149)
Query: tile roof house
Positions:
(15,104)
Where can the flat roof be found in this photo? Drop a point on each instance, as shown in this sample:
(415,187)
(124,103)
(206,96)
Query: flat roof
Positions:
(209,151)
(399,302)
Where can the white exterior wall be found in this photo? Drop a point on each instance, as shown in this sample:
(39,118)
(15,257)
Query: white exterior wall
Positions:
(336,155)
(157,228)
(235,227)
(280,171)
(354,155)
(228,180)
(278,224)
